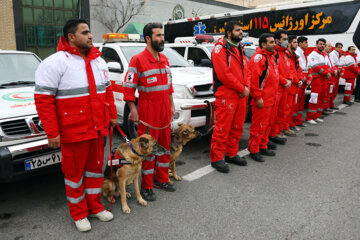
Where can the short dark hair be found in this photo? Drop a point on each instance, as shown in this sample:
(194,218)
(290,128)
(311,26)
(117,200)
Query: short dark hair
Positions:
(339,44)
(349,48)
(230,26)
(71,26)
(302,39)
(148,29)
(291,38)
(321,40)
(278,33)
(263,38)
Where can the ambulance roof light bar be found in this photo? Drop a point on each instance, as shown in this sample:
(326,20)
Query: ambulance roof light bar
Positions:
(204,38)
(122,37)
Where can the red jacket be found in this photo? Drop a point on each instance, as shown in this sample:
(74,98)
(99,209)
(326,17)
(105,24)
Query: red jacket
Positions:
(73,96)
(283,63)
(350,65)
(230,73)
(264,77)
(318,64)
(295,71)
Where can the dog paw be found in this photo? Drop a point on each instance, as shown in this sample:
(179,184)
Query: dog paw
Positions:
(128,195)
(126,210)
(143,202)
(177,178)
(109,199)
(171,174)
(171,182)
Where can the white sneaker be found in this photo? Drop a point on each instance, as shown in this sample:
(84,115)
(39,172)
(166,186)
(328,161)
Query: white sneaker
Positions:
(319,120)
(103,216)
(83,225)
(311,122)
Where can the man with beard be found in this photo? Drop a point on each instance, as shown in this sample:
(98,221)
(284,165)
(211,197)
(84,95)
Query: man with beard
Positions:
(319,66)
(149,73)
(331,81)
(281,40)
(75,103)
(231,88)
(264,84)
(335,56)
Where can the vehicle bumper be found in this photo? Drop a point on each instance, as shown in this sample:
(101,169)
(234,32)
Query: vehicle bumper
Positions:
(198,113)
(12,158)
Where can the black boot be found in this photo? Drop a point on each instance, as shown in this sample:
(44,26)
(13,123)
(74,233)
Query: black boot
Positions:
(257,157)
(267,152)
(164,186)
(221,166)
(278,140)
(348,103)
(271,145)
(148,194)
(236,160)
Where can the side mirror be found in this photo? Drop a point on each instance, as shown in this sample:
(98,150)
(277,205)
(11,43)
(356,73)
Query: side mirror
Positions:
(114,67)
(205,63)
(191,62)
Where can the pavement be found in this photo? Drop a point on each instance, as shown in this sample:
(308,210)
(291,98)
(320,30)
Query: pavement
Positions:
(309,190)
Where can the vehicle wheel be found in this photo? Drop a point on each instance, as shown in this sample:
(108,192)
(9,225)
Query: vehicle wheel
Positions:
(130,126)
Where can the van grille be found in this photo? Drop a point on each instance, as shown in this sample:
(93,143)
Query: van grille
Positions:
(15,127)
(204,90)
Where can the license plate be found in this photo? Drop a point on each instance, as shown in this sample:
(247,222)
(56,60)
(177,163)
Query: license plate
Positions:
(42,161)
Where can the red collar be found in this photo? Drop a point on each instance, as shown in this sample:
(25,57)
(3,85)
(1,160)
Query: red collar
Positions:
(64,46)
(148,54)
(321,53)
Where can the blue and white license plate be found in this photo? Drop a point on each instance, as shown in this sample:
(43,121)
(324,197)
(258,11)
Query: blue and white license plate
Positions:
(42,161)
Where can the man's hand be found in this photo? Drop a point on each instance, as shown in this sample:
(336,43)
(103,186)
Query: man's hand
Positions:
(54,142)
(259,103)
(299,84)
(308,82)
(341,74)
(134,116)
(336,72)
(328,76)
(245,93)
(113,122)
(288,84)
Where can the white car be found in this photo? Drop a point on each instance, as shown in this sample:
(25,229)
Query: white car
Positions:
(193,95)
(23,143)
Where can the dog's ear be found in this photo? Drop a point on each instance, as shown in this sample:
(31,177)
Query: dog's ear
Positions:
(147,130)
(144,142)
(180,124)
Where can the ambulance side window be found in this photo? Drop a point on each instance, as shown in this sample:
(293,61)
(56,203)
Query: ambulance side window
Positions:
(180,50)
(196,54)
(110,55)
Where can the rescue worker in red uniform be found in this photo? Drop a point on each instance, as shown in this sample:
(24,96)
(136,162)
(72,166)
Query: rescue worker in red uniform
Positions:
(331,80)
(263,89)
(231,88)
(335,56)
(75,103)
(306,77)
(351,72)
(149,73)
(289,127)
(320,73)
(281,40)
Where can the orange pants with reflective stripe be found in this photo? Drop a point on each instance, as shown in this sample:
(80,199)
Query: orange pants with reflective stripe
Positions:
(82,164)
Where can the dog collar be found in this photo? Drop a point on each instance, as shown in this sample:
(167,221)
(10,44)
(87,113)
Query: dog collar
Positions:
(132,148)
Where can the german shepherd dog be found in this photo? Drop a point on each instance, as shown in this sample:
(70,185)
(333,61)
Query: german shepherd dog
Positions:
(133,152)
(179,138)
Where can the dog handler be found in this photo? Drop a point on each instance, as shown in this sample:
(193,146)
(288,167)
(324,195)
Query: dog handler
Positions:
(149,72)
(231,88)
(75,103)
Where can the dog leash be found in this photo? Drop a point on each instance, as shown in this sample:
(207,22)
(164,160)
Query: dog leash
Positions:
(150,126)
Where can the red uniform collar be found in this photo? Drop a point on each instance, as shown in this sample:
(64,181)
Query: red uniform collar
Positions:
(263,52)
(321,53)
(280,48)
(64,46)
(148,54)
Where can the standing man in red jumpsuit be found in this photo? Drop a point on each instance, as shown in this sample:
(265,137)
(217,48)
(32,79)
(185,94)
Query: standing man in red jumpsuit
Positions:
(351,72)
(306,76)
(263,89)
(281,40)
(149,72)
(231,88)
(331,81)
(320,73)
(335,56)
(75,103)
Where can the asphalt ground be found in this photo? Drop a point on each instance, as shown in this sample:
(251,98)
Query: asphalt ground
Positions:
(310,190)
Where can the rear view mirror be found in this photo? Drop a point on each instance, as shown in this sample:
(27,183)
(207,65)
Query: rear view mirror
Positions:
(114,67)
(191,62)
(205,63)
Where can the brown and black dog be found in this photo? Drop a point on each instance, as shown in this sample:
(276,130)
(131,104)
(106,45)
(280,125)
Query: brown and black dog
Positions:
(181,136)
(133,152)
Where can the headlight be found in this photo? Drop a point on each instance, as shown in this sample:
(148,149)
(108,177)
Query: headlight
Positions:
(181,92)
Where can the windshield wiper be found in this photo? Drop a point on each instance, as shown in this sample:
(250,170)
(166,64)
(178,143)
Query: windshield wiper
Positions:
(177,66)
(17,83)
